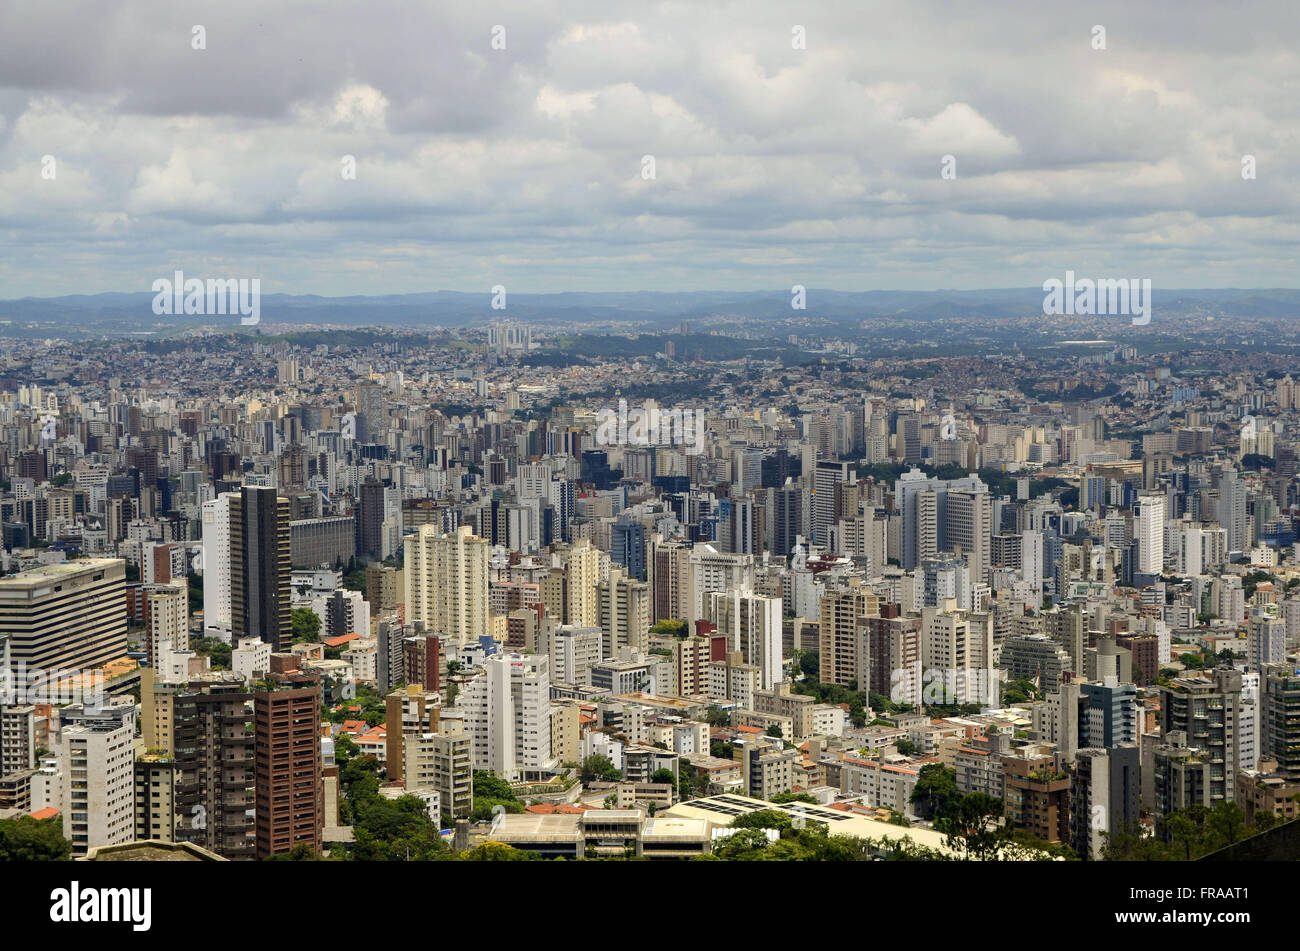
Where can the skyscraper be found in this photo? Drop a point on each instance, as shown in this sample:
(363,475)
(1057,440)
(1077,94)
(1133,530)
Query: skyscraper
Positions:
(287,759)
(970,527)
(828,474)
(1232,508)
(260,565)
(627,546)
(370,519)
(213,755)
(1151,533)
(447,583)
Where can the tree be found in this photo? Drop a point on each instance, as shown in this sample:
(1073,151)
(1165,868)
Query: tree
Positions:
(600,768)
(676,628)
(935,789)
(777,819)
(970,824)
(810,664)
(33,840)
(497,852)
(793,797)
(774,730)
(306,626)
(906,747)
(716,716)
(664,776)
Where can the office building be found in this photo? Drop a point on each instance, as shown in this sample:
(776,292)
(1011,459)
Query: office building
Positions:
(260,567)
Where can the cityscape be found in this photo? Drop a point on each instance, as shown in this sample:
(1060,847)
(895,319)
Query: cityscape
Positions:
(648,436)
(270,592)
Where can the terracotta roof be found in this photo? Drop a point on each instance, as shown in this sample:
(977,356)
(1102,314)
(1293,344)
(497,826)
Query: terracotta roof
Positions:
(548,809)
(49,812)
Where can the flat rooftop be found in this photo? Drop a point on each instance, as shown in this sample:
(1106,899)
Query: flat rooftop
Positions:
(723,811)
(58,570)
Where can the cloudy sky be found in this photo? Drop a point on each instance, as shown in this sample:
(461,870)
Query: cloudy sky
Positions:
(524,166)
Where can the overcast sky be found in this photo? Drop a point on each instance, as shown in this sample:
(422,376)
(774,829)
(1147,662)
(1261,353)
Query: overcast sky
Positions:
(524,166)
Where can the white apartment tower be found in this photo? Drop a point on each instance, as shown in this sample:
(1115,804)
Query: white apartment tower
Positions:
(447,583)
(97,757)
(216,564)
(1151,533)
(508,714)
(752,623)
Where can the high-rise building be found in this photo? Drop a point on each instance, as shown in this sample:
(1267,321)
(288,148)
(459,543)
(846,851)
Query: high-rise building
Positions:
(1207,711)
(1105,795)
(842,653)
(787,520)
(213,754)
(752,624)
(260,566)
(390,667)
(1180,776)
(63,618)
(668,566)
(574,651)
(370,421)
(1231,512)
(957,655)
(1107,714)
(422,660)
(216,564)
(1280,718)
(581,562)
(166,620)
(97,754)
(410,710)
(828,476)
(893,645)
(623,612)
(1035,657)
(970,528)
(447,583)
(370,519)
(507,714)
(1151,533)
(442,762)
(712,570)
(1267,641)
(627,547)
(383,589)
(287,759)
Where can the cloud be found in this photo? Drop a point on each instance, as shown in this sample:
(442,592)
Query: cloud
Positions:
(477,164)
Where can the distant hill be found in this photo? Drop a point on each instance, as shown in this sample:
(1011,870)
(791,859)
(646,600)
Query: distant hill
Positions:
(131,313)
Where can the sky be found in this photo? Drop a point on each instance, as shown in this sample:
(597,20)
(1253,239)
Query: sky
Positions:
(127,154)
